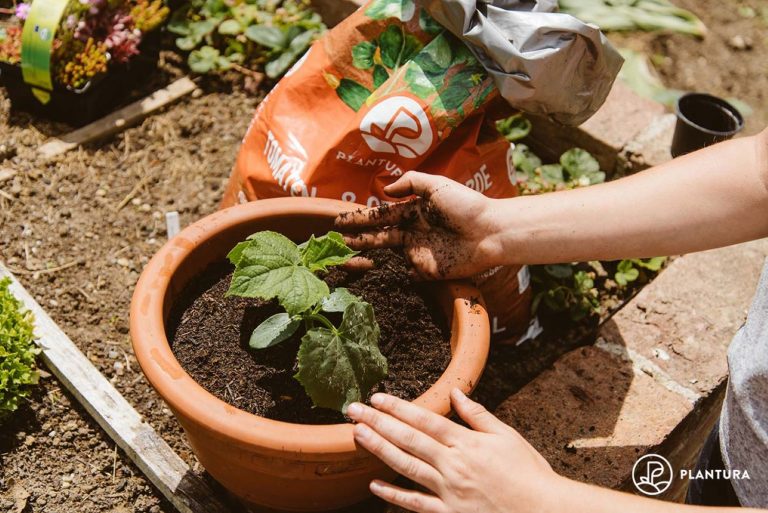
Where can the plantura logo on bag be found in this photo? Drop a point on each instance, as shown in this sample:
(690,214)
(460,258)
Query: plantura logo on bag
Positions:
(397,125)
(652,474)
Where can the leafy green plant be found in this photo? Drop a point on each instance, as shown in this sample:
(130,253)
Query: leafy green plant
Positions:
(245,34)
(629,270)
(514,127)
(635,15)
(336,365)
(564,288)
(17,351)
(581,289)
(577,168)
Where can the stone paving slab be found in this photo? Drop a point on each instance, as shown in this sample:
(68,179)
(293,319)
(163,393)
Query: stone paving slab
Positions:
(655,375)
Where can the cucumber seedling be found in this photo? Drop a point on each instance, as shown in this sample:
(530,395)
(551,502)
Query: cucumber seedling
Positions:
(337,365)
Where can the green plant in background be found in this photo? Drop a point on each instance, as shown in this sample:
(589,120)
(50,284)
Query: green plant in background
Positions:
(514,128)
(564,288)
(575,289)
(629,270)
(635,15)
(337,365)
(245,34)
(17,351)
(577,168)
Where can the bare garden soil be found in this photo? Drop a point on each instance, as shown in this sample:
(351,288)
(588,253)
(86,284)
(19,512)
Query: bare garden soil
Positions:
(96,214)
(209,335)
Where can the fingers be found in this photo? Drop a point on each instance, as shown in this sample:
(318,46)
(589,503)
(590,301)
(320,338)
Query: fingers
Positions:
(434,425)
(397,432)
(401,462)
(476,415)
(413,182)
(407,499)
(359,264)
(389,214)
(388,238)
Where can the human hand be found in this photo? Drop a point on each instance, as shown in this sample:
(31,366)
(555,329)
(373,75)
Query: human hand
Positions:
(446,232)
(491,469)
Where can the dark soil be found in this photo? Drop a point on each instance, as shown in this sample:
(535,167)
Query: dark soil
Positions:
(210,339)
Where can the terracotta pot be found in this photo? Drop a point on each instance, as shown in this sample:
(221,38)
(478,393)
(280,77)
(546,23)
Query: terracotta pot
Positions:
(266,462)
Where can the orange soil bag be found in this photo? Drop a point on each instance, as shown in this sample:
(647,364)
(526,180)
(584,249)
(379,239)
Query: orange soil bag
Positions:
(386,91)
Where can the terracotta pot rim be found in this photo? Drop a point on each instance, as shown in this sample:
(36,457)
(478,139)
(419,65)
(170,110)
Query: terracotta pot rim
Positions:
(192,401)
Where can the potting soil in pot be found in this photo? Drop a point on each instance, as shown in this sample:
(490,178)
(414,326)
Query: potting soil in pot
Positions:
(209,335)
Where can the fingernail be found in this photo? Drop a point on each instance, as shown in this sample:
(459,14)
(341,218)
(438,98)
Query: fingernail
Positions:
(361,431)
(458,395)
(375,486)
(354,410)
(377,400)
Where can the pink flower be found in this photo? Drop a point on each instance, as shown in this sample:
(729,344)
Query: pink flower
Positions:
(22,10)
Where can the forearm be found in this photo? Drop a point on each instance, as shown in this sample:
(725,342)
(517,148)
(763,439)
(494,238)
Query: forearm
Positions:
(576,497)
(711,198)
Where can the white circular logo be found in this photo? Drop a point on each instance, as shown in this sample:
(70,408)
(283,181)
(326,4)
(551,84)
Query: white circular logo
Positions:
(397,125)
(652,474)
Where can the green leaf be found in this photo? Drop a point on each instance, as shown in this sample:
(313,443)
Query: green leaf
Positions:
(200,29)
(440,51)
(279,65)
(428,23)
(178,23)
(271,37)
(274,330)
(352,93)
(230,27)
(18,351)
(625,273)
(380,75)
(391,44)
(270,267)
(578,162)
(203,60)
(525,160)
(596,178)
(187,43)
(328,250)
(339,300)
(652,264)
(382,9)
(514,128)
(552,173)
(454,96)
(418,82)
(362,55)
(341,366)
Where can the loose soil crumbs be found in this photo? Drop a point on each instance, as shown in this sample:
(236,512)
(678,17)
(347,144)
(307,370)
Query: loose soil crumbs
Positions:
(210,334)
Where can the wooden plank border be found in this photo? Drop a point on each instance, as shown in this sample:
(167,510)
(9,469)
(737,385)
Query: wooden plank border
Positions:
(154,457)
(118,120)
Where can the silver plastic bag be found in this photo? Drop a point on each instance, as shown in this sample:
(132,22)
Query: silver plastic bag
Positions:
(543,62)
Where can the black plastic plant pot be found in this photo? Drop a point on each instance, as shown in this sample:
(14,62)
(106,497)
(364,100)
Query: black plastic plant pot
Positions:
(703,120)
(100,97)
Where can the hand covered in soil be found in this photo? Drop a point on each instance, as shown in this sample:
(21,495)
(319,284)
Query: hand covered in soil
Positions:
(491,469)
(446,231)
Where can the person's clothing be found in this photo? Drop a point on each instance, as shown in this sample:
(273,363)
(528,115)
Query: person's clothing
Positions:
(744,420)
(711,492)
